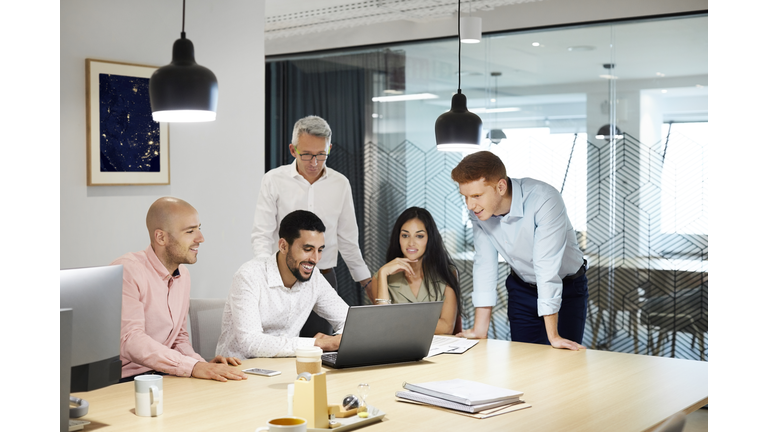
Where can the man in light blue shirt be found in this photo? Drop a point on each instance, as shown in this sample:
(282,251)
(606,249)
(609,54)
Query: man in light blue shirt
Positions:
(525,221)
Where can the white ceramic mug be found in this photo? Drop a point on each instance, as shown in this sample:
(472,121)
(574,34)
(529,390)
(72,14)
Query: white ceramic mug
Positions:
(285,424)
(149,395)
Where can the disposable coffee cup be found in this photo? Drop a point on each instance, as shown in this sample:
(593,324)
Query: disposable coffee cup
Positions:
(285,424)
(308,360)
(149,395)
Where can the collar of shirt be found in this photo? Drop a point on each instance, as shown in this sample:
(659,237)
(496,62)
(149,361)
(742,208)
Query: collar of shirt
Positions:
(158,266)
(516,207)
(297,175)
(273,273)
(274,280)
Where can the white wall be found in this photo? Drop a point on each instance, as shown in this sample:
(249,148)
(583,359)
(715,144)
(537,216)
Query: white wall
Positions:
(534,14)
(217,166)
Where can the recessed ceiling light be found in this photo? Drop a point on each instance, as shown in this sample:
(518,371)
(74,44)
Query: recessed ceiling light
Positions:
(581,48)
(663,91)
(493,99)
(374,115)
(659,74)
(536,44)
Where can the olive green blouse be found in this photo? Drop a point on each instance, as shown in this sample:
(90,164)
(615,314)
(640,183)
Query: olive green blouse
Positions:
(400,291)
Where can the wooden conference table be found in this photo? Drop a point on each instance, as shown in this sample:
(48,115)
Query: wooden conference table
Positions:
(583,390)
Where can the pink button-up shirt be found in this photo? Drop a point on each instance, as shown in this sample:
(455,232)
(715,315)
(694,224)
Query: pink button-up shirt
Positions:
(153,332)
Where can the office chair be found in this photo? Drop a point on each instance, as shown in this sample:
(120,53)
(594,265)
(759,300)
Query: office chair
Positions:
(205,325)
(676,423)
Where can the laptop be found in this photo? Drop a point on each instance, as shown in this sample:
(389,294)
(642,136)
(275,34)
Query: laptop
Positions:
(383,334)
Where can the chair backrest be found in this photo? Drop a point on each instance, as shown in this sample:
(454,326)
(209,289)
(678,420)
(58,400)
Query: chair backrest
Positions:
(676,423)
(205,325)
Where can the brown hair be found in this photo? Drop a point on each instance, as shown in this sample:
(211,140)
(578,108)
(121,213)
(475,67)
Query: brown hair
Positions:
(480,165)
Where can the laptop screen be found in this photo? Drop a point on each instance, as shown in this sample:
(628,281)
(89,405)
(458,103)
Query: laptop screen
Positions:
(381,334)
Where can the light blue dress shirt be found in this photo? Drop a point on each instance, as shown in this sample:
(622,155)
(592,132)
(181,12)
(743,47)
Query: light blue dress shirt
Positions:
(536,238)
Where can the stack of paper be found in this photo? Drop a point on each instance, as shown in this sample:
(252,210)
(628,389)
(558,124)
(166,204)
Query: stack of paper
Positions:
(450,344)
(463,396)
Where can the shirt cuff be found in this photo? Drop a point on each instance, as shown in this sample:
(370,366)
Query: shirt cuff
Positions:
(186,366)
(484,299)
(548,306)
(360,273)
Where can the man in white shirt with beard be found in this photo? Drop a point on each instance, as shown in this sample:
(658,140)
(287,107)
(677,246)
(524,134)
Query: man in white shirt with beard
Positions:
(307,184)
(271,299)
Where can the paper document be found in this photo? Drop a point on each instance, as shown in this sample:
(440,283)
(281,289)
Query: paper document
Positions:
(430,400)
(464,391)
(449,344)
(478,415)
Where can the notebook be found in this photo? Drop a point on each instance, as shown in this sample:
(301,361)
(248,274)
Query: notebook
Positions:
(465,392)
(383,334)
(429,400)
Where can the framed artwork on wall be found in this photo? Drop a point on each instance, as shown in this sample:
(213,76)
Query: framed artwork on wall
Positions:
(124,145)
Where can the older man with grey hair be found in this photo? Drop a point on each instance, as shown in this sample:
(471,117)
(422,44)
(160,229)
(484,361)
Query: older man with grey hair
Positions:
(307,184)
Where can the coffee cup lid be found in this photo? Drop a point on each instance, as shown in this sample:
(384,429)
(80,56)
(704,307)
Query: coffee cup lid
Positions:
(309,351)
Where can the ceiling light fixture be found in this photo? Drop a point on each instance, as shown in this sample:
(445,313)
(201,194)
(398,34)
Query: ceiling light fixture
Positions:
(497,110)
(458,129)
(609,133)
(183,91)
(470,28)
(404,97)
(496,135)
(581,48)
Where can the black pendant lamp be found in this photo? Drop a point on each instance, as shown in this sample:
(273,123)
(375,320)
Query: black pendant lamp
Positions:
(183,91)
(458,129)
(496,135)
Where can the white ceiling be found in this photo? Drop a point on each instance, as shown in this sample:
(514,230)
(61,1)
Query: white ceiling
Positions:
(285,18)
(640,51)
(668,55)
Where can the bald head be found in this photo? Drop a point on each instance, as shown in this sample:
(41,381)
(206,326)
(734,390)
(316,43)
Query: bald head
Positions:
(174,232)
(163,212)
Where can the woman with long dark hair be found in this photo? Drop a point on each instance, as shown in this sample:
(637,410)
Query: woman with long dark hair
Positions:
(418,268)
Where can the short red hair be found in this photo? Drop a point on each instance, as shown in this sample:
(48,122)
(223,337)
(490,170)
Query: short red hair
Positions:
(480,165)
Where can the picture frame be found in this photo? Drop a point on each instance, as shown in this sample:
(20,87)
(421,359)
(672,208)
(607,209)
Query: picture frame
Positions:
(125,147)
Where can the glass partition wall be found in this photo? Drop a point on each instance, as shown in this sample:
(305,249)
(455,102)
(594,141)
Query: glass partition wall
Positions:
(636,192)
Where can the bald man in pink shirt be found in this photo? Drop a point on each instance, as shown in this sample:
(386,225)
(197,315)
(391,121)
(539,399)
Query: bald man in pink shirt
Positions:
(153,333)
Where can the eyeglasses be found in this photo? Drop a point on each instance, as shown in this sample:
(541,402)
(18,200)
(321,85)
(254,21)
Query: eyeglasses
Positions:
(308,157)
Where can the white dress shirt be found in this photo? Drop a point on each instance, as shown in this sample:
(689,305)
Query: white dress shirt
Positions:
(284,190)
(536,238)
(262,318)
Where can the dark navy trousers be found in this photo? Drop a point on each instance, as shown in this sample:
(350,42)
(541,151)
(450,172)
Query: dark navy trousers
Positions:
(526,325)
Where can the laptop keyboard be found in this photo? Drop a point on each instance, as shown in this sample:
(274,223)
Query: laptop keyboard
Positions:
(329,357)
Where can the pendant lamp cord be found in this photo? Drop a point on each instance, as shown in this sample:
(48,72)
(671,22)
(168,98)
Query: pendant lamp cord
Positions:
(183,18)
(458,25)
